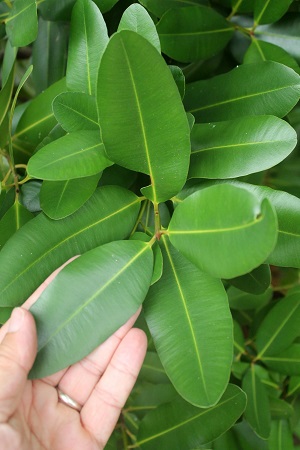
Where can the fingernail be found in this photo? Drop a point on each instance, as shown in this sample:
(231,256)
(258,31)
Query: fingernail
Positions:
(16,320)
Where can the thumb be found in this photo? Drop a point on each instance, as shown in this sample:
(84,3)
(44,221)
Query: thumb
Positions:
(17,353)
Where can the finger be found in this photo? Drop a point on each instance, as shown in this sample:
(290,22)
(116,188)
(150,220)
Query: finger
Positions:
(81,378)
(17,353)
(36,294)
(101,411)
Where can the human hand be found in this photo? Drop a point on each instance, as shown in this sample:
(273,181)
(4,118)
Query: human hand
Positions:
(31,415)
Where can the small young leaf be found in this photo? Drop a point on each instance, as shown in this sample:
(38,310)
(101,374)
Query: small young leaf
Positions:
(76,155)
(60,199)
(136,18)
(108,285)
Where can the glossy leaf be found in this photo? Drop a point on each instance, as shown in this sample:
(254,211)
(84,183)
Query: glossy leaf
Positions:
(54,10)
(76,155)
(179,425)
(179,79)
(267,11)
(142,135)
(234,222)
(192,33)
(30,195)
(286,362)
(38,118)
(281,436)
(109,283)
(76,111)
(12,221)
(247,439)
(60,199)
(257,412)
(158,259)
(21,24)
(242,301)
(189,319)
(280,327)
(136,18)
(88,40)
(284,33)
(247,90)
(239,147)
(42,245)
(159,7)
(255,282)
(265,51)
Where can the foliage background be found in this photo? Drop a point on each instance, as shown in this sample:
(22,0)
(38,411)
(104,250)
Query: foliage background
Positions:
(195,170)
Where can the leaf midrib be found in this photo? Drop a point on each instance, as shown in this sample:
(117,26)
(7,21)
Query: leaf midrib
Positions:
(242,144)
(197,33)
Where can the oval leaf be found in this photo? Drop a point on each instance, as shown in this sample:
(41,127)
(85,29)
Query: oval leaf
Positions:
(76,111)
(239,147)
(179,425)
(257,412)
(281,436)
(76,155)
(184,295)
(267,11)
(142,135)
(59,199)
(255,282)
(263,51)
(242,301)
(286,362)
(280,327)
(137,19)
(192,33)
(108,285)
(250,89)
(88,40)
(234,222)
(42,245)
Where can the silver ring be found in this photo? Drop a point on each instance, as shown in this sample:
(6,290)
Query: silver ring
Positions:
(68,401)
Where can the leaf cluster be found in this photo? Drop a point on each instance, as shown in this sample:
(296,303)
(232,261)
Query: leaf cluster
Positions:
(158,141)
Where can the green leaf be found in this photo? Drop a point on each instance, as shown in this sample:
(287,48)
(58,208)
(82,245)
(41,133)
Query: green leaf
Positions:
(196,354)
(109,283)
(143,123)
(38,119)
(234,222)
(247,90)
(158,259)
(284,34)
(42,245)
(88,40)
(294,385)
(192,33)
(286,362)
(242,6)
(268,11)
(60,199)
(280,327)
(49,54)
(247,439)
(281,436)
(257,412)
(239,147)
(9,59)
(280,409)
(179,79)
(159,7)
(152,370)
(243,301)
(5,314)
(76,155)
(238,339)
(136,18)
(287,250)
(30,195)
(6,94)
(147,396)
(12,221)
(255,282)
(263,51)
(21,24)
(76,111)
(179,425)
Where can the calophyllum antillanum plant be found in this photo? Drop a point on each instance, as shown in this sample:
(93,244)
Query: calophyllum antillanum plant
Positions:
(150,140)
